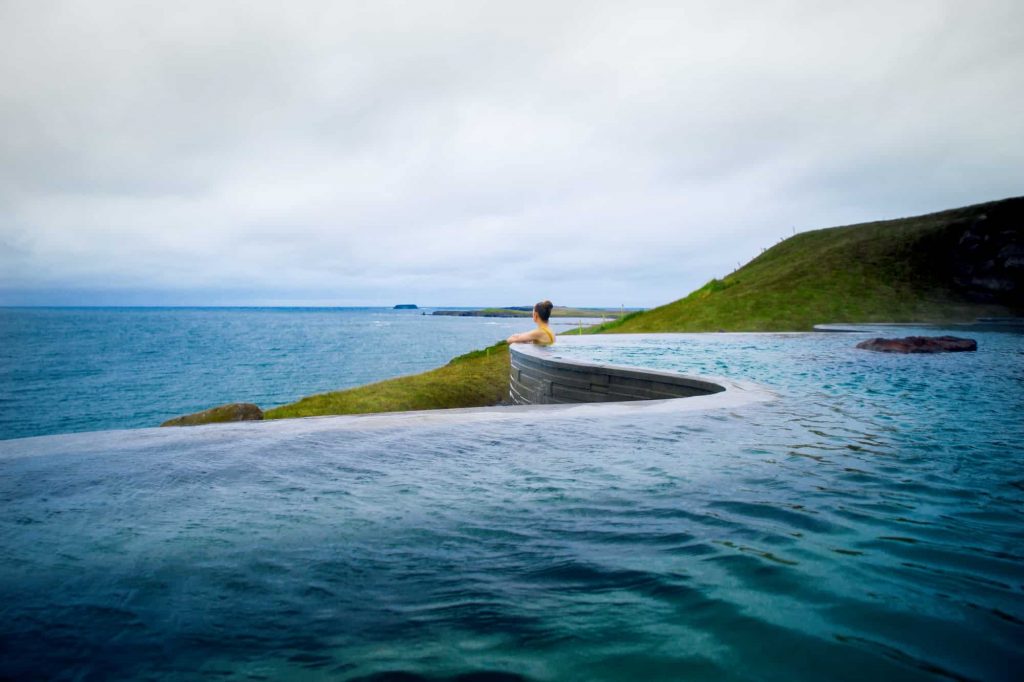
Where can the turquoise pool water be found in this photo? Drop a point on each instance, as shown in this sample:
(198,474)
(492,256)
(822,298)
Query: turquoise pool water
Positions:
(867,524)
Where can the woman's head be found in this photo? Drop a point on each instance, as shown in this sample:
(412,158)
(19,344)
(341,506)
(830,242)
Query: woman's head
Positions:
(543,310)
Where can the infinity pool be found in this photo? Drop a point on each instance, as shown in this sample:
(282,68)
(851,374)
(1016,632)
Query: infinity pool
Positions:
(867,523)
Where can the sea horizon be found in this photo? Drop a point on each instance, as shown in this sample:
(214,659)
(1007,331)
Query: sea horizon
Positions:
(66,369)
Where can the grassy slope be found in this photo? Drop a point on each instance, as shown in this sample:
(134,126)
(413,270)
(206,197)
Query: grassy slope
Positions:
(862,273)
(873,272)
(471,380)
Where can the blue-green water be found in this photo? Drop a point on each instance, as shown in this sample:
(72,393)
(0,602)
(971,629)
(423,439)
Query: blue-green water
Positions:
(89,369)
(868,524)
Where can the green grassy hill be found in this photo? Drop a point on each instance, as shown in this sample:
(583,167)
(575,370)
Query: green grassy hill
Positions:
(930,268)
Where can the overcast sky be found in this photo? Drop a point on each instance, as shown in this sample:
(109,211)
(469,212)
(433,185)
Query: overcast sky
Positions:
(478,153)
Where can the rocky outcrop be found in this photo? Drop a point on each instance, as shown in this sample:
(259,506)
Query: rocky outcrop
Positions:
(920,344)
(232,412)
(982,253)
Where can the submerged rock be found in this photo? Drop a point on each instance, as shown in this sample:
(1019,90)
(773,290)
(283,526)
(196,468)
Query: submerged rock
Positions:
(920,344)
(232,412)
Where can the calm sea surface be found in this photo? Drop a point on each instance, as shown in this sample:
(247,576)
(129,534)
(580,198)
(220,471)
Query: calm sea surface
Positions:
(866,525)
(88,369)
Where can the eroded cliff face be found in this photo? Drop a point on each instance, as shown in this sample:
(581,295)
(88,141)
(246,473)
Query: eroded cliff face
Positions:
(984,254)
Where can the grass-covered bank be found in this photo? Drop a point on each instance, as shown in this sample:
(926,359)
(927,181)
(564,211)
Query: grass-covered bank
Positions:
(475,379)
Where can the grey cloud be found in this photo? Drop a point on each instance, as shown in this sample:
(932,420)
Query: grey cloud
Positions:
(478,152)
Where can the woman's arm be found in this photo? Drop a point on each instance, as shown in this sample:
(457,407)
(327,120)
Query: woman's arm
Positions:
(532,336)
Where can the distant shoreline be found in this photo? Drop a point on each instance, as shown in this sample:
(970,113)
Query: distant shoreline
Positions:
(527,311)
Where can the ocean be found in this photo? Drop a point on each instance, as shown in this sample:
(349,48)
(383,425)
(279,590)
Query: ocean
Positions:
(90,369)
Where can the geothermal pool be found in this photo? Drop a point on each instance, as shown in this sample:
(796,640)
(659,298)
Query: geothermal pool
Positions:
(864,523)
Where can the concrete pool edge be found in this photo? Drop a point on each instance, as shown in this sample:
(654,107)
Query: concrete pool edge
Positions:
(538,376)
(738,394)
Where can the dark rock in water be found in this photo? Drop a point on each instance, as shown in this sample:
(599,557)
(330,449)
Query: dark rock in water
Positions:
(232,412)
(920,344)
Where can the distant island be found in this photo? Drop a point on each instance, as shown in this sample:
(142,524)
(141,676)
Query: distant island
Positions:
(406,306)
(527,311)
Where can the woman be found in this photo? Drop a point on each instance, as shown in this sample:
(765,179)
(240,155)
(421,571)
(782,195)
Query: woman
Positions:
(542,335)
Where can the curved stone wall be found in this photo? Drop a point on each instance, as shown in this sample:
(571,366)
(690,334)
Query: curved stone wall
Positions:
(537,379)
